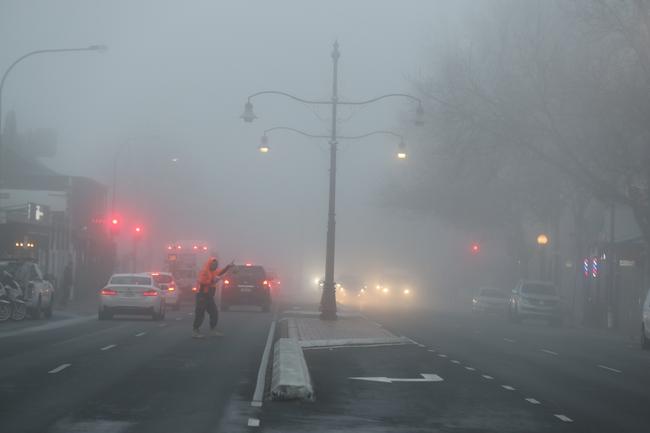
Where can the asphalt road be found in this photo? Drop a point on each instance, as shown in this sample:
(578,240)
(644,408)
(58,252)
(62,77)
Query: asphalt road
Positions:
(77,374)
(496,377)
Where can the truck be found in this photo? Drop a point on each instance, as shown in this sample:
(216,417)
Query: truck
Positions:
(183,260)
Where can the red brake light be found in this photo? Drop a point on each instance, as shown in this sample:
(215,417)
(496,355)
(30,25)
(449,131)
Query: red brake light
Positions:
(195,247)
(178,247)
(249,265)
(265,282)
(108,292)
(194,289)
(151,293)
(205,248)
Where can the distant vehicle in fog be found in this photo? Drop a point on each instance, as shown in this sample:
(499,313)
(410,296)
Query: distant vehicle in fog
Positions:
(489,299)
(645,323)
(246,285)
(183,260)
(166,283)
(535,300)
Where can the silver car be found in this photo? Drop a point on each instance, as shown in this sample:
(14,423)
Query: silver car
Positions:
(131,294)
(645,324)
(535,300)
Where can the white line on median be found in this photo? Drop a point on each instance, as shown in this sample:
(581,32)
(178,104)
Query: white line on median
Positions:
(532,401)
(508,387)
(109,347)
(509,340)
(485,376)
(253,422)
(562,417)
(258,394)
(59,368)
(604,367)
(550,352)
(140,334)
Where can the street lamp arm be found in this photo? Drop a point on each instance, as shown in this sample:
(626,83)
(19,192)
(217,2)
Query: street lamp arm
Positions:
(297,131)
(295,98)
(52,50)
(356,137)
(379,98)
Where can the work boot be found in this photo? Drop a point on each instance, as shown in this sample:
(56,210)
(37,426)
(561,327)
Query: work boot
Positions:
(216,333)
(197,334)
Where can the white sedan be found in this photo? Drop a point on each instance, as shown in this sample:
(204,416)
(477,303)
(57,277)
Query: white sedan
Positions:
(131,294)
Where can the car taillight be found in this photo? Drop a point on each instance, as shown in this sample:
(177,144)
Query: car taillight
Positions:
(265,283)
(150,293)
(194,289)
(171,288)
(108,292)
(226,282)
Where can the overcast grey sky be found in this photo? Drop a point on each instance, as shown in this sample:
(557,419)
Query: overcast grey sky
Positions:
(173,84)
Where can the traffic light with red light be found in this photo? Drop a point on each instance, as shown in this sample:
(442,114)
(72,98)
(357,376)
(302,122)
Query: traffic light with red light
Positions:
(475,248)
(137,231)
(114,226)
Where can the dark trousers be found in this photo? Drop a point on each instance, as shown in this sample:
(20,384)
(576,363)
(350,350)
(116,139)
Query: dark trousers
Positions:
(205,302)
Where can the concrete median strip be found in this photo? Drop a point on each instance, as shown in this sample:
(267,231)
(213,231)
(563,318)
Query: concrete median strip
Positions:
(291,378)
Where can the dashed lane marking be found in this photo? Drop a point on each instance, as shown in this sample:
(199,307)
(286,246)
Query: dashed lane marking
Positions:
(509,340)
(442,355)
(562,417)
(432,350)
(162,325)
(109,347)
(550,352)
(140,334)
(453,361)
(470,368)
(253,422)
(532,400)
(59,368)
(485,376)
(614,370)
(508,387)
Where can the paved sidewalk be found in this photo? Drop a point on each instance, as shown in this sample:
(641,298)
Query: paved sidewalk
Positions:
(346,331)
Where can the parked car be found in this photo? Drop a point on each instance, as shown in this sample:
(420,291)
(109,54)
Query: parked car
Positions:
(246,285)
(165,281)
(535,300)
(131,294)
(645,324)
(38,293)
(490,300)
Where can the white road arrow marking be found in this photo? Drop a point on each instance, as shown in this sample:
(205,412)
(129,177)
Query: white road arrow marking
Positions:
(425,378)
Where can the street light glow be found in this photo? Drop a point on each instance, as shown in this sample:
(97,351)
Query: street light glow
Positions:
(542,239)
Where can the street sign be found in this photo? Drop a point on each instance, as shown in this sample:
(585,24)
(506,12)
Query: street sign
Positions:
(426,377)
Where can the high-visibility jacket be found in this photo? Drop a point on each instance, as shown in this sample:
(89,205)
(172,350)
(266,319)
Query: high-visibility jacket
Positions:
(207,277)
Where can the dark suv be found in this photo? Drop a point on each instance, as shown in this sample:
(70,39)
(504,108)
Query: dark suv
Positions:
(246,285)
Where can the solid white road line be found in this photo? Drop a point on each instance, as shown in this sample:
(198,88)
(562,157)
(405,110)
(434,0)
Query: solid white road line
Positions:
(509,340)
(253,422)
(140,334)
(59,368)
(470,368)
(532,401)
(442,355)
(508,387)
(258,394)
(109,347)
(562,417)
(614,370)
(485,376)
(550,352)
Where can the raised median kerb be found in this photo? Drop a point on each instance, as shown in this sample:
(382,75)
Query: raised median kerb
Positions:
(348,330)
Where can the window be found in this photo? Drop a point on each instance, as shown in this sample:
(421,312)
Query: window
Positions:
(131,279)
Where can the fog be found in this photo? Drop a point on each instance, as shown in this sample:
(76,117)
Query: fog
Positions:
(517,95)
(173,84)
